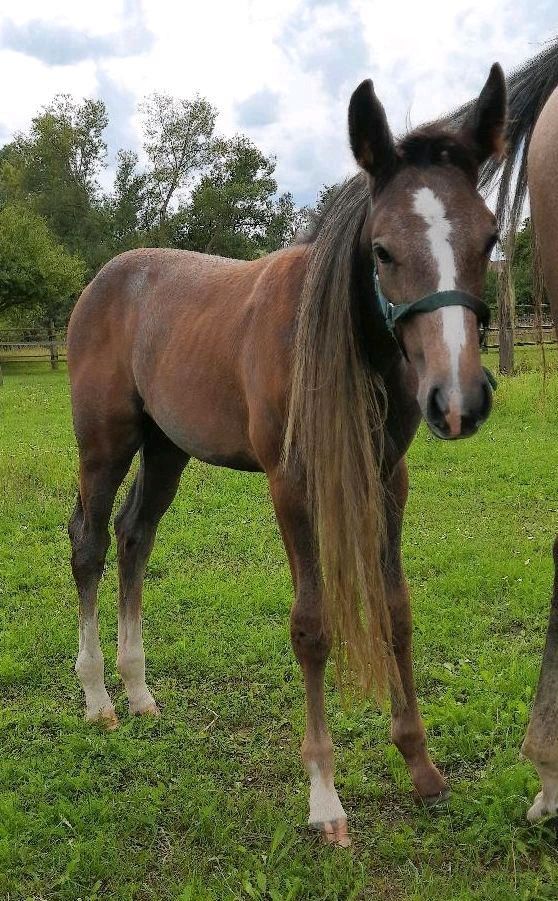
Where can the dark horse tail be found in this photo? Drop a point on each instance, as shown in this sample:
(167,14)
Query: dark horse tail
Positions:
(529,87)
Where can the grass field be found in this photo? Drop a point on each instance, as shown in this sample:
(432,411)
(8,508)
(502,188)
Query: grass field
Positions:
(210,801)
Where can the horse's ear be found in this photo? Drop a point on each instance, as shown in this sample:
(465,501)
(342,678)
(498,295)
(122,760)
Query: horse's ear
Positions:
(371,140)
(485,125)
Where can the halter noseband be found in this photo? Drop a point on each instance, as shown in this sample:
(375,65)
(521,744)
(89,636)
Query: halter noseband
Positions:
(393,313)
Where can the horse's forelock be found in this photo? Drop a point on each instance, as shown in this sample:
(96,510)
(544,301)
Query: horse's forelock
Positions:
(435,146)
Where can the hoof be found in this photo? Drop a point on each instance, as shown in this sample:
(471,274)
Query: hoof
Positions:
(545,804)
(144,706)
(433,800)
(334,832)
(542,808)
(106,718)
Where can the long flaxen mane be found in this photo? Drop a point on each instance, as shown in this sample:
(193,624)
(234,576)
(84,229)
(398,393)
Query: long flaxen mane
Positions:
(335,428)
(336,421)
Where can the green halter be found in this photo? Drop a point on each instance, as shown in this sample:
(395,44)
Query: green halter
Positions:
(393,313)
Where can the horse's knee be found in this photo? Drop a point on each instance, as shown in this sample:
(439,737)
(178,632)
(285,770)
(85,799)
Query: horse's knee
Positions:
(309,636)
(88,555)
(408,737)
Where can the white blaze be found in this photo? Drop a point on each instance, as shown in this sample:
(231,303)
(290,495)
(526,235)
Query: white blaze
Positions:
(438,231)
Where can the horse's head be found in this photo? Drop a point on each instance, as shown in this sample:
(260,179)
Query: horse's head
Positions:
(429,235)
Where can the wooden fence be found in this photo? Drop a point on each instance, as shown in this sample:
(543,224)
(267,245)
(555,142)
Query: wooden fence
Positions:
(525,334)
(50,346)
(33,346)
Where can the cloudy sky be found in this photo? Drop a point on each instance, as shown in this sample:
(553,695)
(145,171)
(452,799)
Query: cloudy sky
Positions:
(281,71)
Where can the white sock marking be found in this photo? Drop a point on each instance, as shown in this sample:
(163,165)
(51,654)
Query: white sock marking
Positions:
(131,664)
(325,805)
(90,670)
(546,802)
(438,232)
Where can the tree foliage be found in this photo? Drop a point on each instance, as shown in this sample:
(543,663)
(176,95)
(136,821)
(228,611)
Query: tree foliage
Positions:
(522,269)
(191,189)
(35,271)
(53,169)
(233,210)
(521,274)
(177,141)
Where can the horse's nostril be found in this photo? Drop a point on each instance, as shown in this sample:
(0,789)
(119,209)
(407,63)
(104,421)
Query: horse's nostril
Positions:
(437,408)
(478,407)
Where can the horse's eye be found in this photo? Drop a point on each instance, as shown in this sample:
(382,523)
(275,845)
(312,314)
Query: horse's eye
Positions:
(382,255)
(490,245)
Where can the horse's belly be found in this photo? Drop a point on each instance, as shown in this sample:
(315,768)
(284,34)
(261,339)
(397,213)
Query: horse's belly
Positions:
(211,428)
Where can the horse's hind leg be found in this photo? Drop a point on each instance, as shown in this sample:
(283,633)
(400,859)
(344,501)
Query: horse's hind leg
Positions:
(135,525)
(106,452)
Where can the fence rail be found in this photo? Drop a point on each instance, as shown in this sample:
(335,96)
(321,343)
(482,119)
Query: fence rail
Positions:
(33,346)
(51,347)
(525,335)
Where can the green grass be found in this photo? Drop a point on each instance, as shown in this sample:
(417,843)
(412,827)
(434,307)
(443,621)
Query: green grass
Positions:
(210,801)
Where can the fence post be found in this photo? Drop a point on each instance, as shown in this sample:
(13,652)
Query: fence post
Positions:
(506,310)
(53,345)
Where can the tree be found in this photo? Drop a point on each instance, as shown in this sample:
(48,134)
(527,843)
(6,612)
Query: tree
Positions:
(233,210)
(35,271)
(286,223)
(178,144)
(53,169)
(219,196)
(126,207)
(522,269)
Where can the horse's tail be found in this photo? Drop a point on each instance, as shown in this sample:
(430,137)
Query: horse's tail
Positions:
(529,87)
(335,430)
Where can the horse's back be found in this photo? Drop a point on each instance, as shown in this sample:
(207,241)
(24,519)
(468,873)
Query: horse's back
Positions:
(542,169)
(135,282)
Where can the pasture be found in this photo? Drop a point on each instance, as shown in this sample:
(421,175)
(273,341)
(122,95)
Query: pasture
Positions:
(210,801)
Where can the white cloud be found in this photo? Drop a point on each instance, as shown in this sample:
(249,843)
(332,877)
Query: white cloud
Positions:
(425,58)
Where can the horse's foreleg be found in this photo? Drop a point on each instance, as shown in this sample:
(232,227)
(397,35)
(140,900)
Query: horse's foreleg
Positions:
(407,729)
(311,645)
(541,741)
(135,525)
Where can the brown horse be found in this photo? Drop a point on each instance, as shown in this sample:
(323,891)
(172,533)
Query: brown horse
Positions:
(286,365)
(532,163)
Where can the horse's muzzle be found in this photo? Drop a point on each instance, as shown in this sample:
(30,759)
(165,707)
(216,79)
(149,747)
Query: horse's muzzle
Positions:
(458,412)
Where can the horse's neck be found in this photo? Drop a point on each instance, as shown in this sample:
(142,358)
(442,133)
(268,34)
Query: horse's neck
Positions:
(399,380)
